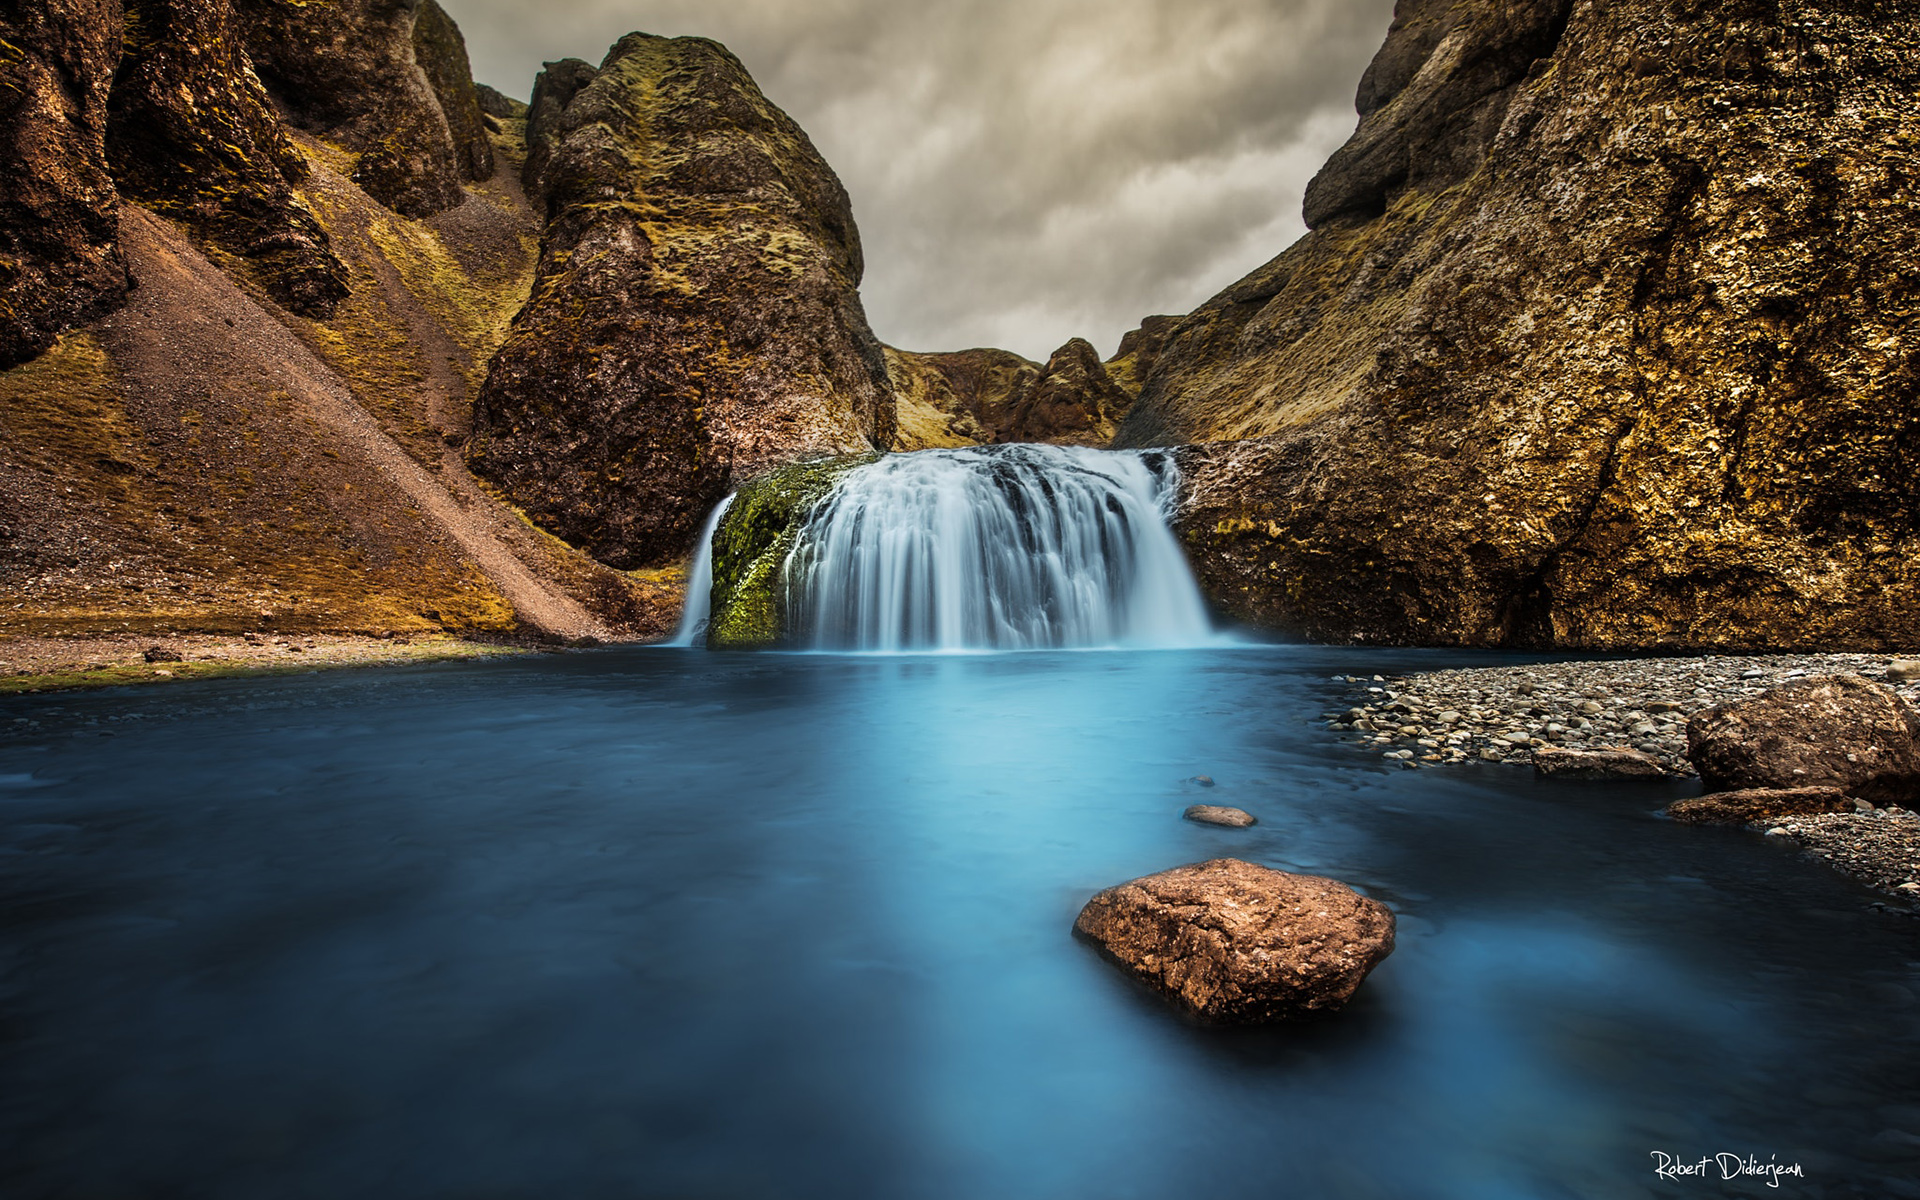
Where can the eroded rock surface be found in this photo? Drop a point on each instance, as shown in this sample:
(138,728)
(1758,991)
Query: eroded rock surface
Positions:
(441,53)
(1595,342)
(60,263)
(192,134)
(1832,731)
(1611,762)
(696,318)
(347,72)
(1237,943)
(982,396)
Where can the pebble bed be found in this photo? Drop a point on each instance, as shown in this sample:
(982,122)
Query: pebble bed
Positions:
(1500,714)
(1881,847)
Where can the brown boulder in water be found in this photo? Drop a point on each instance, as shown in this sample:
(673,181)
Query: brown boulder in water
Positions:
(1236,943)
(1838,731)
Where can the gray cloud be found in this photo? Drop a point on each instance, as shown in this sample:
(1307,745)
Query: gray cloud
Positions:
(1023,171)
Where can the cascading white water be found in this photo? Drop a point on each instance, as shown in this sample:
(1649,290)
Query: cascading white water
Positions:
(699,604)
(996,548)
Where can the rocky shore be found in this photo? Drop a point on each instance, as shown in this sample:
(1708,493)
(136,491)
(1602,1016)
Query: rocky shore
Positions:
(1506,714)
(1502,714)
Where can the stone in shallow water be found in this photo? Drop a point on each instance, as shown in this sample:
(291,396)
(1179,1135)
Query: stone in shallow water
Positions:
(1759,804)
(1615,763)
(1236,943)
(1219,814)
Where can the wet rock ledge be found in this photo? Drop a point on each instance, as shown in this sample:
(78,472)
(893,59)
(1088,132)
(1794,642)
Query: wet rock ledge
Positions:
(1502,714)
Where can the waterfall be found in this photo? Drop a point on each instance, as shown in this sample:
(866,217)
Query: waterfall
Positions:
(995,547)
(699,602)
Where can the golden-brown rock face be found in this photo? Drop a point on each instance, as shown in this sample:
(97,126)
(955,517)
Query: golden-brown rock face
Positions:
(1606,335)
(696,317)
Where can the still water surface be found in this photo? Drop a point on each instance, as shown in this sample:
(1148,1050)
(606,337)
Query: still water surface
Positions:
(665,923)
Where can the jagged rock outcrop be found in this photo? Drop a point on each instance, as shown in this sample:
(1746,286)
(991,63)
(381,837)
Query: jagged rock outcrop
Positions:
(441,52)
(973,397)
(347,71)
(495,103)
(60,264)
(192,135)
(1073,401)
(553,89)
(695,319)
(1139,350)
(1604,337)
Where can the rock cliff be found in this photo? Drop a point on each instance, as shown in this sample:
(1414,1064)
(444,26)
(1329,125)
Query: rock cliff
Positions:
(60,262)
(1604,336)
(696,317)
(982,396)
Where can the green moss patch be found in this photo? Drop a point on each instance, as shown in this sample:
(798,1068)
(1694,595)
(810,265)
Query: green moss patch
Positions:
(751,546)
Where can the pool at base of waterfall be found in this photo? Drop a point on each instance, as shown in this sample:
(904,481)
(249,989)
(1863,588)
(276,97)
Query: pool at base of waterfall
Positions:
(637,922)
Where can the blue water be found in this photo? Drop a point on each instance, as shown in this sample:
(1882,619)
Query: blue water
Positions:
(661,923)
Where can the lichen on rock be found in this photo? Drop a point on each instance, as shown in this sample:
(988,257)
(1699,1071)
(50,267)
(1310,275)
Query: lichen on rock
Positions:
(192,134)
(696,317)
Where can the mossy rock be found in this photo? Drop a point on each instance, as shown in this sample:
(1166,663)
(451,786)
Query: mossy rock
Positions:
(751,546)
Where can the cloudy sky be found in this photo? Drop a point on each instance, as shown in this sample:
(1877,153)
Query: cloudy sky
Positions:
(1022,171)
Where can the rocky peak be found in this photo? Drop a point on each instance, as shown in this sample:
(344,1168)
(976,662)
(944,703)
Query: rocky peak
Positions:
(1073,401)
(553,89)
(696,318)
(1433,99)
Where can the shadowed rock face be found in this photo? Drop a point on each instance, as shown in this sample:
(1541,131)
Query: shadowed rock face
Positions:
(1602,338)
(553,89)
(59,215)
(346,71)
(442,53)
(1074,401)
(497,104)
(695,319)
(192,134)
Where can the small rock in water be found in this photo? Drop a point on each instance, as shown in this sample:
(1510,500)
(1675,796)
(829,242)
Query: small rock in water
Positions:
(1219,814)
(1202,780)
(1236,943)
(1904,670)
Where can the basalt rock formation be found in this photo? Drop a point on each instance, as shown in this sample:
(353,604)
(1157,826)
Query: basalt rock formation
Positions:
(495,104)
(1604,336)
(60,262)
(191,134)
(696,318)
(360,72)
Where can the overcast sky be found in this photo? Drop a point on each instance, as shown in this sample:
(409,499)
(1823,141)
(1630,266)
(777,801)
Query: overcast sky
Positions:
(1022,171)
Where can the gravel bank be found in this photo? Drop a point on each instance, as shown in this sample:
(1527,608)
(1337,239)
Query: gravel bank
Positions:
(1499,714)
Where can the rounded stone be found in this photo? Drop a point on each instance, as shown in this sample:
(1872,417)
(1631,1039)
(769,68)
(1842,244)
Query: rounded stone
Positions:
(1236,943)
(1219,814)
